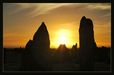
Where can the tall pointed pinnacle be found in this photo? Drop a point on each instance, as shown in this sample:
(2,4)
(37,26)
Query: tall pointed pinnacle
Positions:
(41,35)
(37,49)
(83,21)
(87,44)
(86,32)
(43,25)
(83,18)
(40,31)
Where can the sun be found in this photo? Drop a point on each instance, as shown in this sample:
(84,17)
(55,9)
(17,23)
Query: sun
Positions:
(62,36)
(62,39)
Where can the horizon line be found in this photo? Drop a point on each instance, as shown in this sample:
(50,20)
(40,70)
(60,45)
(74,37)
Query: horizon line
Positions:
(57,48)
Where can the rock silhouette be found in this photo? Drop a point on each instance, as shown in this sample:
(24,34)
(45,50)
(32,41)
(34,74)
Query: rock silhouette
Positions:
(87,44)
(38,56)
(62,47)
(74,47)
(35,56)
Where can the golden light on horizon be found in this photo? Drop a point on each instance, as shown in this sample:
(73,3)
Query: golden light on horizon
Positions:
(21,20)
(63,36)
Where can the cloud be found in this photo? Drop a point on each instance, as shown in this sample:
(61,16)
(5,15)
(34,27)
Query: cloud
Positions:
(45,8)
(17,16)
(102,6)
(37,8)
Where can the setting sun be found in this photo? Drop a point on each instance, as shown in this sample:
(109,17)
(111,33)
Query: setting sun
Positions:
(63,36)
(62,39)
(62,21)
(56,37)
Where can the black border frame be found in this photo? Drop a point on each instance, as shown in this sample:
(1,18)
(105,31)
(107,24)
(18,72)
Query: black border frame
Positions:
(48,1)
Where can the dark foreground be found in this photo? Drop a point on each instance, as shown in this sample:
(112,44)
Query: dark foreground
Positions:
(13,60)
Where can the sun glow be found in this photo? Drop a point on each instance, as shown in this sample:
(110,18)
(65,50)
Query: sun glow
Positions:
(63,36)
(21,21)
(62,39)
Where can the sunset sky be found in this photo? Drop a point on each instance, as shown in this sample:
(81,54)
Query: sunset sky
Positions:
(21,20)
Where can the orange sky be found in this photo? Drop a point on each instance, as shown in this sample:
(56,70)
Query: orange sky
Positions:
(21,20)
